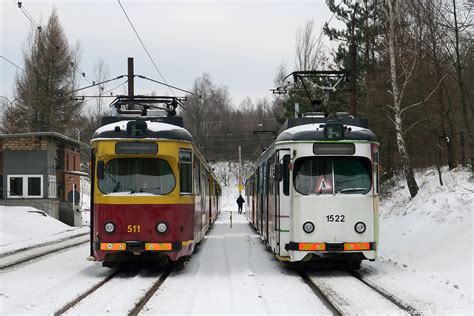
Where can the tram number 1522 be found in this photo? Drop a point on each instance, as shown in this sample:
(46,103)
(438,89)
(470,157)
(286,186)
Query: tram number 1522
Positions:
(335,218)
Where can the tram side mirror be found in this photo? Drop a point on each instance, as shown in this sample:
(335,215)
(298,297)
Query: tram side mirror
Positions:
(279,169)
(100,169)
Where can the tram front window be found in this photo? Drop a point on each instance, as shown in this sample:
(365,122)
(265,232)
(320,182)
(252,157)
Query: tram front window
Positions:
(138,175)
(329,175)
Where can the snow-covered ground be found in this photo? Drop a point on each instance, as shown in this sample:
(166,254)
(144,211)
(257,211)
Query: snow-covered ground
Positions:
(426,259)
(426,243)
(23,227)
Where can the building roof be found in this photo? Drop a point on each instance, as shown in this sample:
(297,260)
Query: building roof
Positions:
(53,135)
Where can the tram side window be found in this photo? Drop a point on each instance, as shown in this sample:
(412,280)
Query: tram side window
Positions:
(197,177)
(186,171)
(325,175)
(286,175)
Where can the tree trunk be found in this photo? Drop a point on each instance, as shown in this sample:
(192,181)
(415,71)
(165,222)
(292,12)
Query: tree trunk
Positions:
(467,111)
(397,97)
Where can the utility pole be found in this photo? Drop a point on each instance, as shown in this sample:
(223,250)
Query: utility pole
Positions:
(131,75)
(353,54)
(240,170)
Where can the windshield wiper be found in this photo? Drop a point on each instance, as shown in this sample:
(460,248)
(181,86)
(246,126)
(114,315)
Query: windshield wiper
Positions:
(145,189)
(351,190)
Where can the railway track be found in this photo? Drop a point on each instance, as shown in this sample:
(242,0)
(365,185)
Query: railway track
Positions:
(16,258)
(347,293)
(119,292)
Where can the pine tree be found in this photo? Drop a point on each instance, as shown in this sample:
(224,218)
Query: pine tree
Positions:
(43,90)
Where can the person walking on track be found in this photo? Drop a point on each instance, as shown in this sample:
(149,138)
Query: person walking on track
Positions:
(240,202)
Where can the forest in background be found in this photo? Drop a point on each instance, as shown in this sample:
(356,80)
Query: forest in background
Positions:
(414,82)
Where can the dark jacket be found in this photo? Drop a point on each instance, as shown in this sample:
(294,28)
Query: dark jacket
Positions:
(240,200)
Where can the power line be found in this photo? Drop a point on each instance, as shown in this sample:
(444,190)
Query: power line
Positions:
(168,85)
(110,90)
(329,21)
(144,47)
(224,121)
(15,65)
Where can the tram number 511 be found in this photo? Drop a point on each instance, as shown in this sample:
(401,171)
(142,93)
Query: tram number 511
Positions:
(335,218)
(133,228)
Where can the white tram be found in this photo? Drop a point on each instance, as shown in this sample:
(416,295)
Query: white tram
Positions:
(314,193)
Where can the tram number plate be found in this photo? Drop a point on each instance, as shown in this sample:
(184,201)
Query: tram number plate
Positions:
(336,218)
(133,228)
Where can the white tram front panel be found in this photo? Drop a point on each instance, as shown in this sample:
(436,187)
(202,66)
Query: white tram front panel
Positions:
(331,194)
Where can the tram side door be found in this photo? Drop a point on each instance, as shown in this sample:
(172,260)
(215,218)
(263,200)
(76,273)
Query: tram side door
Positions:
(282,202)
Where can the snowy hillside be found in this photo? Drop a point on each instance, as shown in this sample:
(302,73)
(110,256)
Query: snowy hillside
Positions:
(430,237)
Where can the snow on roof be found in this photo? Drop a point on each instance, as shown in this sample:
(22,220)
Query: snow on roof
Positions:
(152,126)
(318,127)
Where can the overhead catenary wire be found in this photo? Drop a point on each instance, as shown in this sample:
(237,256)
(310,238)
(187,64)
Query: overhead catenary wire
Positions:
(106,92)
(144,47)
(233,121)
(167,85)
(15,65)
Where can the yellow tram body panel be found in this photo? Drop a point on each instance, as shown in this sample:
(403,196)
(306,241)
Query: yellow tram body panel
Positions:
(167,150)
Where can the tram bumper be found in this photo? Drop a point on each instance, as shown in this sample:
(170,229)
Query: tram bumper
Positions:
(306,251)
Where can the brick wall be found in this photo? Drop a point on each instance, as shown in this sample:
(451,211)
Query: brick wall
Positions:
(25,143)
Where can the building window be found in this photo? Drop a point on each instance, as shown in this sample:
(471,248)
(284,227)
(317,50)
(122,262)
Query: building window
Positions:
(25,186)
(52,187)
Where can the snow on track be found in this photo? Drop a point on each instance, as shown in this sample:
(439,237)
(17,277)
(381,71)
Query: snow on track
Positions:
(350,295)
(49,283)
(17,257)
(233,272)
(118,296)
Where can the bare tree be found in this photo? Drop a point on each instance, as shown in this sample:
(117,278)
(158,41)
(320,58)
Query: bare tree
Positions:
(466,107)
(392,12)
(309,52)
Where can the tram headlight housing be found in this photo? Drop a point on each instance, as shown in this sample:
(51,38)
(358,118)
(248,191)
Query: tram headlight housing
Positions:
(308,227)
(109,227)
(162,228)
(359,227)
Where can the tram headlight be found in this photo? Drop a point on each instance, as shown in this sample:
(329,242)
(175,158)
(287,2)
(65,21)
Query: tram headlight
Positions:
(308,227)
(109,227)
(359,227)
(162,228)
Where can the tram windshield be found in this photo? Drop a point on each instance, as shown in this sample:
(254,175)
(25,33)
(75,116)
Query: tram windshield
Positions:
(332,175)
(138,175)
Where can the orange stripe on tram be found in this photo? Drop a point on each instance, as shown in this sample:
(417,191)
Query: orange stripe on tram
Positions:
(158,246)
(311,246)
(348,246)
(115,246)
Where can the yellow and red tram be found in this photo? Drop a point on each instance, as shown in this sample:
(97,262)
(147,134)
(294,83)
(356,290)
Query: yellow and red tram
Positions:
(153,194)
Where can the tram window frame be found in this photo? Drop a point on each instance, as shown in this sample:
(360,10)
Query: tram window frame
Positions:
(185,178)
(127,186)
(330,162)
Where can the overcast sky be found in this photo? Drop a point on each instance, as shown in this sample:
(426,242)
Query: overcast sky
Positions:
(239,43)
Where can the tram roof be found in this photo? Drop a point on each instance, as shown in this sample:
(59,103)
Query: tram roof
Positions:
(315,132)
(311,128)
(158,130)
